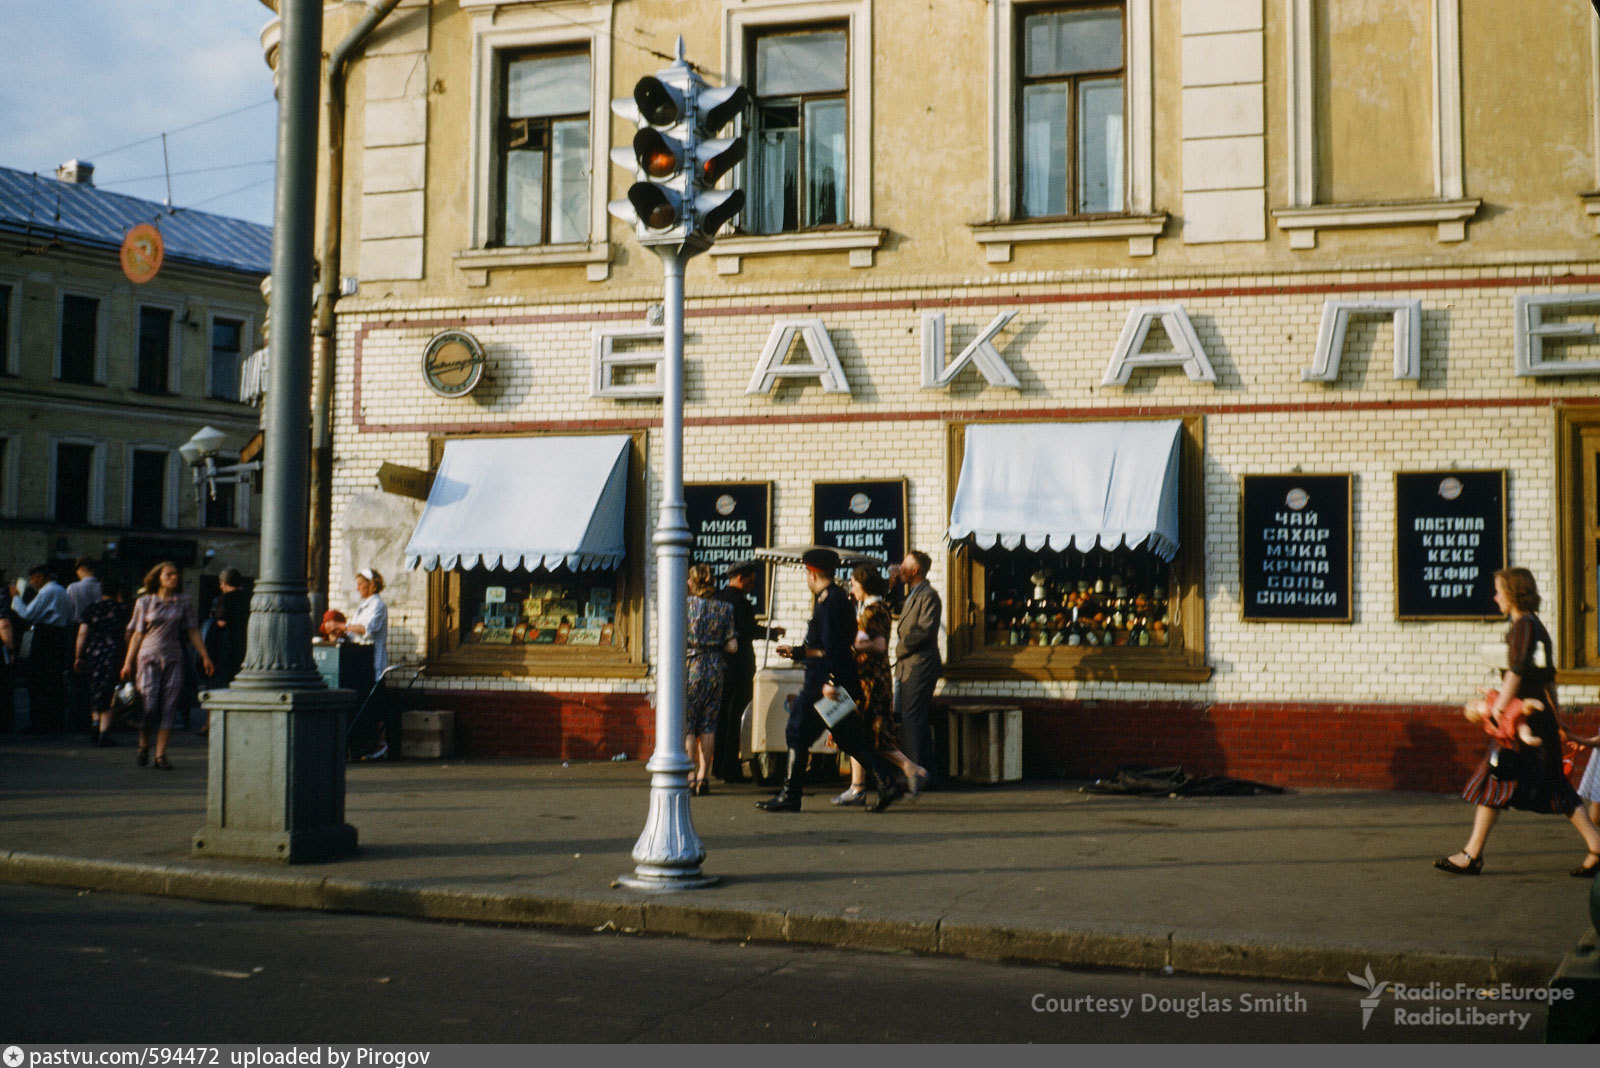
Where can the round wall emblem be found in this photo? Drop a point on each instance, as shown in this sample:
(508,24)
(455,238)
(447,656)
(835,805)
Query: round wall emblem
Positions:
(859,503)
(452,364)
(142,250)
(726,504)
(1450,488)
(1297,498)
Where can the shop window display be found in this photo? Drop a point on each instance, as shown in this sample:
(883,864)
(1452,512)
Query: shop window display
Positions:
(540,608)
(1116,597)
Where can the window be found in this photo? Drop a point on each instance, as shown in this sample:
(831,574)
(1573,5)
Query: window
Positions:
(1070,141)
(1578,565)
(74,482)
(227,357)
(799,173)
(154,350)
(221,511)
(79,339)
(6,316)
(541,607)
(543,146)
(147,489)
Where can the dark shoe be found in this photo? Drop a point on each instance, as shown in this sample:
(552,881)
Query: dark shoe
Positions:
(1587,870)
(161,763)
(143,756)
(888,790)
(94,735)
(702,788)
(788,797)
(917,783)
(1473,866)
(105,740)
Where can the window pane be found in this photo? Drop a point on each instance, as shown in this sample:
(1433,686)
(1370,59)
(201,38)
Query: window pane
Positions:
(775,171)
(5,329)
(569,181)
(1097,598)
(512,609)
(78,325)
(227,341)
(524,196)
(1100,145)
(1067,42)
(155,348)
(220,512)
(827,180)
(792,63)
(74,468)
(148,504)
(547,85)
(1044,151)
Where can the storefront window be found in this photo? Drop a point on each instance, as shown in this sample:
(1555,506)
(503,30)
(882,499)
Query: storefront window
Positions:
(519,608)
(1101,598)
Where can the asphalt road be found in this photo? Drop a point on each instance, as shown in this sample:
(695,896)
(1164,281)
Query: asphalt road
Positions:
(82,967)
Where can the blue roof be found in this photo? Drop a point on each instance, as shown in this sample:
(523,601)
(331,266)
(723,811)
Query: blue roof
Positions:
(41,205)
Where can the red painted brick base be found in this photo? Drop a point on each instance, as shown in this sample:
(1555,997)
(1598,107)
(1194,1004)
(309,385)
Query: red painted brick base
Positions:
(1428,748)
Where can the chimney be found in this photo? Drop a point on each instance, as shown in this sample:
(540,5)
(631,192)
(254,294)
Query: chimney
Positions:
(76,171)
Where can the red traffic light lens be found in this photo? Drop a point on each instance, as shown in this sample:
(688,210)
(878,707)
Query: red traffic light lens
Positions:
(657,156)
(661,217)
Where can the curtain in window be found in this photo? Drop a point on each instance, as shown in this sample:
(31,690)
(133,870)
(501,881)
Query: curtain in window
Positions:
(1044,151)
(827,164)
(1100,146)
(776,171)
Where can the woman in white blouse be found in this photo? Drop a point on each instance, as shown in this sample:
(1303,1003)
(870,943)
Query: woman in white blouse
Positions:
(369,625)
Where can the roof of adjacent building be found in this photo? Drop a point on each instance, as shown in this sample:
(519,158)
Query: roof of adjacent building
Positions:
(45,207)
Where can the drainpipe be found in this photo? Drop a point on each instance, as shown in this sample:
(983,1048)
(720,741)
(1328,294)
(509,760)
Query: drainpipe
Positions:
(321,504)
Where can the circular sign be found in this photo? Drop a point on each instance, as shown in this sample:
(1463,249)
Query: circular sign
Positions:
(142,250)
(1450,488)
(859,503)
(453,363)
(1297,498)
(726,504)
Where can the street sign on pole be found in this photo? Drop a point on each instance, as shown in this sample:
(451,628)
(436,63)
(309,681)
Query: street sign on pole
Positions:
(676,210)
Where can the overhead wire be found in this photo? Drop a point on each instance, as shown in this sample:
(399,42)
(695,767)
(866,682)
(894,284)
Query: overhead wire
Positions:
(179,174)
(181,129)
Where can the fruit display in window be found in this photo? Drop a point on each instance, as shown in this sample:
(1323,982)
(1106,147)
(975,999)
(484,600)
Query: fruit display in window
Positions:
(1100,599)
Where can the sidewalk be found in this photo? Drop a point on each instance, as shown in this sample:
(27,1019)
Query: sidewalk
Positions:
(1305,886)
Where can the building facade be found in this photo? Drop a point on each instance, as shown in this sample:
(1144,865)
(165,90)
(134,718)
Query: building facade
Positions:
(102,379)
(1216,381)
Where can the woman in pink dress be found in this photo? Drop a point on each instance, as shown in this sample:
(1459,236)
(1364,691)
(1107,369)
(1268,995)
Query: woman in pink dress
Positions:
(161,621)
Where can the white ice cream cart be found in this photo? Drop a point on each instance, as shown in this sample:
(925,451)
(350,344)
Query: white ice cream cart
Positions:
(778,682)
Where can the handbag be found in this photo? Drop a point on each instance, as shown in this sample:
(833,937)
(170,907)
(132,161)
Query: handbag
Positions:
(834,709)
(1505,763)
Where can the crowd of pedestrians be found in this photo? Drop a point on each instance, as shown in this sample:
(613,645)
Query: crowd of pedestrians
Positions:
(69,647)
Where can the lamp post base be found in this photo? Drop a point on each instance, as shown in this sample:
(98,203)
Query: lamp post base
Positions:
(275,782)
(668,851)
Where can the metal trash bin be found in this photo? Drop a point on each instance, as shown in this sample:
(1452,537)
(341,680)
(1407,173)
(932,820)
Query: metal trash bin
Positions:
(985,743)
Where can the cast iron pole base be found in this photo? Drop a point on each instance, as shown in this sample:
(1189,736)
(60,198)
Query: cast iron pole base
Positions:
(668,851)
(275,788)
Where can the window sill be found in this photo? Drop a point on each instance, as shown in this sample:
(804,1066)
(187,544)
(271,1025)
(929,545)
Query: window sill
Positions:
(521,664)
(1591,208)
(1064,663)
(1450,216)
(476,263)
(861,244)
(1140,230)
(1584,676)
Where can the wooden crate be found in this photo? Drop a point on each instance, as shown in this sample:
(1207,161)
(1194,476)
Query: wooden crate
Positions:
(985,743)
(427,735)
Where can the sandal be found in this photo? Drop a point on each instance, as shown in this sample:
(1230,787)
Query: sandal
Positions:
(162,763)
(1586,870)
(1473,866)
(143,757)
(702,787)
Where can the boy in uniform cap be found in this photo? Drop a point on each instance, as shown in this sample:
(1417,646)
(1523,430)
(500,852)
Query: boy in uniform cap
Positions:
(828,664)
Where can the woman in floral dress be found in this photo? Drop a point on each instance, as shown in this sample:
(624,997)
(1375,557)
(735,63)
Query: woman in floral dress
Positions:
(102,635)
(161,621)
(711,633)
(873,623)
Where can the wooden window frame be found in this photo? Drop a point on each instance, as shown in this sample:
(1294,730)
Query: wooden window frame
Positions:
(1577,494)
(503,124)
(754,34)
(1183,660)
(1023,82)
(446,654)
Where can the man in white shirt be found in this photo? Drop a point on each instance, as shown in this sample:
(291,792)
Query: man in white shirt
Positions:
(49,615)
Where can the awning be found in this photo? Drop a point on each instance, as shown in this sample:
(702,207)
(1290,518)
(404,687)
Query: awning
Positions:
(1053,485)
(525,502)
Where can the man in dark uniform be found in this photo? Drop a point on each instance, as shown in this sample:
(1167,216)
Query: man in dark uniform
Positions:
(739,681)
(828,665)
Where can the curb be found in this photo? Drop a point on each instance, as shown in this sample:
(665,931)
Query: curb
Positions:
(1064,947)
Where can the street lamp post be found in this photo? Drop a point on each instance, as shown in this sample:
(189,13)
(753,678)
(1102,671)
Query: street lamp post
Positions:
(676,210)
(275,786)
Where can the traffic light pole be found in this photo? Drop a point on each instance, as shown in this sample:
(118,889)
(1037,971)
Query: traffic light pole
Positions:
(668,852)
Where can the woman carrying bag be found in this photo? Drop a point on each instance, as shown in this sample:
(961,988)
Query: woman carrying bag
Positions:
(1522,770)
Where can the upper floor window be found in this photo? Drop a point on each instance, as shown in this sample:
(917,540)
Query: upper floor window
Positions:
(221,510)
(147,489)
(1071,141)
(5,329)
(74,482)
(799,171)
(79,339)
(155,349)
(227,357)
(543,144)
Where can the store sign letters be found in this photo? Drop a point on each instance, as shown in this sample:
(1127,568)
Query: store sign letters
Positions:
(802,350)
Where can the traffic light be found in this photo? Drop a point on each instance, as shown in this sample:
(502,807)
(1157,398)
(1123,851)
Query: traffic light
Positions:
(677,158)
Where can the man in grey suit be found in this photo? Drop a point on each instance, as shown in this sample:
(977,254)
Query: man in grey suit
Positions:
(917,662)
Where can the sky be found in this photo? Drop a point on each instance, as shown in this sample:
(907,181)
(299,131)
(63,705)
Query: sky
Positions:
(100,75)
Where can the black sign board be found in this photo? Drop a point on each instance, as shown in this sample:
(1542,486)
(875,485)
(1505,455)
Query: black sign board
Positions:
(1450,539)
(1295,557)
(729,521)
(861,517)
